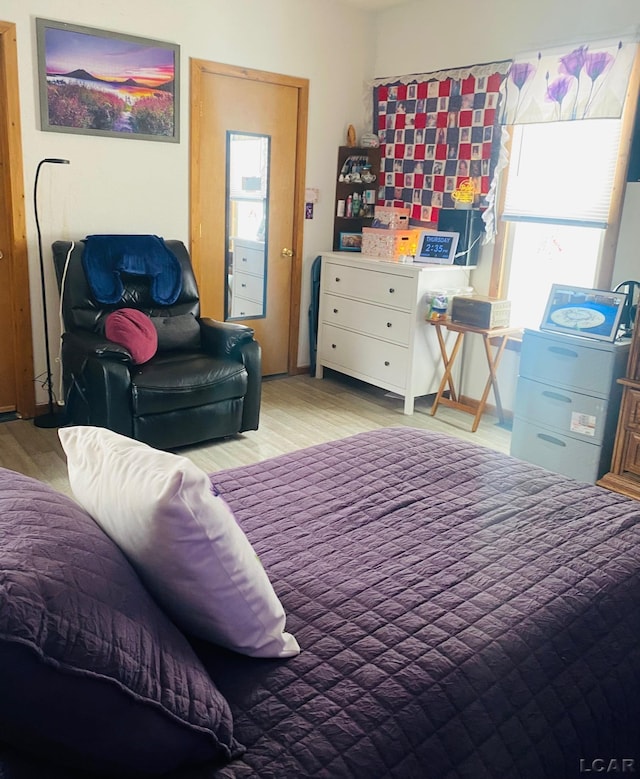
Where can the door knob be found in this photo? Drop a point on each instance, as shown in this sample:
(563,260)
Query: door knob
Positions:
(286,253)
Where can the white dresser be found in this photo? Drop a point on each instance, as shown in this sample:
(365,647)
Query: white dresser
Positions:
(247,282)
(371,322)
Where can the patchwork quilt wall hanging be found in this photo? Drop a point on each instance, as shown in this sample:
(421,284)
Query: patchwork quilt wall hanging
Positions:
(439,133)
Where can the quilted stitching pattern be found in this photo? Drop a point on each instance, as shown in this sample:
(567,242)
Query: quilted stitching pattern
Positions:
(461,614)
(69,597)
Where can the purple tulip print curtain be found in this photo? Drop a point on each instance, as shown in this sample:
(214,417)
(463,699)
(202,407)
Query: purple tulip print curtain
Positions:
(578,82)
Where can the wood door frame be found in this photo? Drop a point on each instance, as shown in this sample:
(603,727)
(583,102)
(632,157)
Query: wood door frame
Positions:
(198,68)
(11,180)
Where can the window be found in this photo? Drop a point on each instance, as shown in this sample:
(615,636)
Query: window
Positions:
(557,200)
(543,254)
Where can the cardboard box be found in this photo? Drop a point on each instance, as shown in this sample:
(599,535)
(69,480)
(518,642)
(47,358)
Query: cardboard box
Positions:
(389,244)
(392,218)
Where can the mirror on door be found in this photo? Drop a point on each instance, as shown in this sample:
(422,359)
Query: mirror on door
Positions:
(247,188)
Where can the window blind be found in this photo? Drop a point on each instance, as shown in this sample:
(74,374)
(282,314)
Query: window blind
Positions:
(562,172)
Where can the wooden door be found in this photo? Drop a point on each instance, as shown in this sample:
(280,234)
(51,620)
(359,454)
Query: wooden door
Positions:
(8,390)
(17,392)
(227,99)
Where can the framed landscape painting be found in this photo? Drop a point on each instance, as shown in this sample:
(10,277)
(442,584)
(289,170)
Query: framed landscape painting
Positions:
(97,82)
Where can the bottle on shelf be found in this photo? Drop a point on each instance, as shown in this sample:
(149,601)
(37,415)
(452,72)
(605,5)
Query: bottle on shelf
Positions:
(355,205)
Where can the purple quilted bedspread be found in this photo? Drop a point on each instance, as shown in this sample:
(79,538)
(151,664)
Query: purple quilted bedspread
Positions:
(461,614)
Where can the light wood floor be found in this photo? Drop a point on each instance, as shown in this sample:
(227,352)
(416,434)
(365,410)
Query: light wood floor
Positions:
(297,411)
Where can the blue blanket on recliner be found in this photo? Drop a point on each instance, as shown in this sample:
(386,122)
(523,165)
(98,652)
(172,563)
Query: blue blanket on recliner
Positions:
(106,257)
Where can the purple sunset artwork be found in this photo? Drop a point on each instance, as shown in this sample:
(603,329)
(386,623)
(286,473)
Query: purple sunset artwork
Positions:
(107,84)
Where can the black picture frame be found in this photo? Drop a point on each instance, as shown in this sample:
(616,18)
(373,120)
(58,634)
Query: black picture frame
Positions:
(585,312)
(97,82)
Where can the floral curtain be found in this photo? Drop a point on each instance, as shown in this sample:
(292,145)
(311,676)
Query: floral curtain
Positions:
(578,82)
(438,132)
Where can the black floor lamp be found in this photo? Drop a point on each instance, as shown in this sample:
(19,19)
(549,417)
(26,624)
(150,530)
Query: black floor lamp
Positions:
(50,419)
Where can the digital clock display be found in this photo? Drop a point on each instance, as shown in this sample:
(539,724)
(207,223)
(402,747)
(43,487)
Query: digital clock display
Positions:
(437,247)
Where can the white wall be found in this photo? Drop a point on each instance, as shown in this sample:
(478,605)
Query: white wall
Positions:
(422,37)
(628,254)
(122,185)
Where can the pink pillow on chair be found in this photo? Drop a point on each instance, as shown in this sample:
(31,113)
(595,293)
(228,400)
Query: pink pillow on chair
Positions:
(134,330)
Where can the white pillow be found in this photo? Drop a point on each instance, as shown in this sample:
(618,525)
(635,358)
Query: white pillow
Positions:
(181,537)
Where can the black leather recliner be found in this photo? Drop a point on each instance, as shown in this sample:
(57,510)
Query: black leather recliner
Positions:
(180,396)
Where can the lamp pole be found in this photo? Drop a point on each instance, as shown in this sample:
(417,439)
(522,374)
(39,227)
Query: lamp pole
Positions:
(50,419)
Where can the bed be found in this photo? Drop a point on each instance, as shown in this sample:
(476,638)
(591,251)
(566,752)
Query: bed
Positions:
(461,614)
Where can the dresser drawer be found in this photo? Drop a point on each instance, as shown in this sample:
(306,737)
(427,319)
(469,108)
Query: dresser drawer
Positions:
(367,318)
(567,363)
(371,285)
(569,412)
(243,307)
(632,409)
(631,456)
(361,354)
(247,286)
(248,258)
(556,452)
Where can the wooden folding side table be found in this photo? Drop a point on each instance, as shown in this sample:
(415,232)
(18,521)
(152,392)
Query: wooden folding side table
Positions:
(498,334)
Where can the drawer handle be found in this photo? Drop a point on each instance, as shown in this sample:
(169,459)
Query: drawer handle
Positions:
(550,439)
(244,259)
(391,290)
(557,396)
(243,284)
(387,363)
(333,346)
(335,310)
(564,352)
(389,324)
(337,278)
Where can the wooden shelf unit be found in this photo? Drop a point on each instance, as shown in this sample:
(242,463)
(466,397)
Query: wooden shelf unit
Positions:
(624,476)
(354,224)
